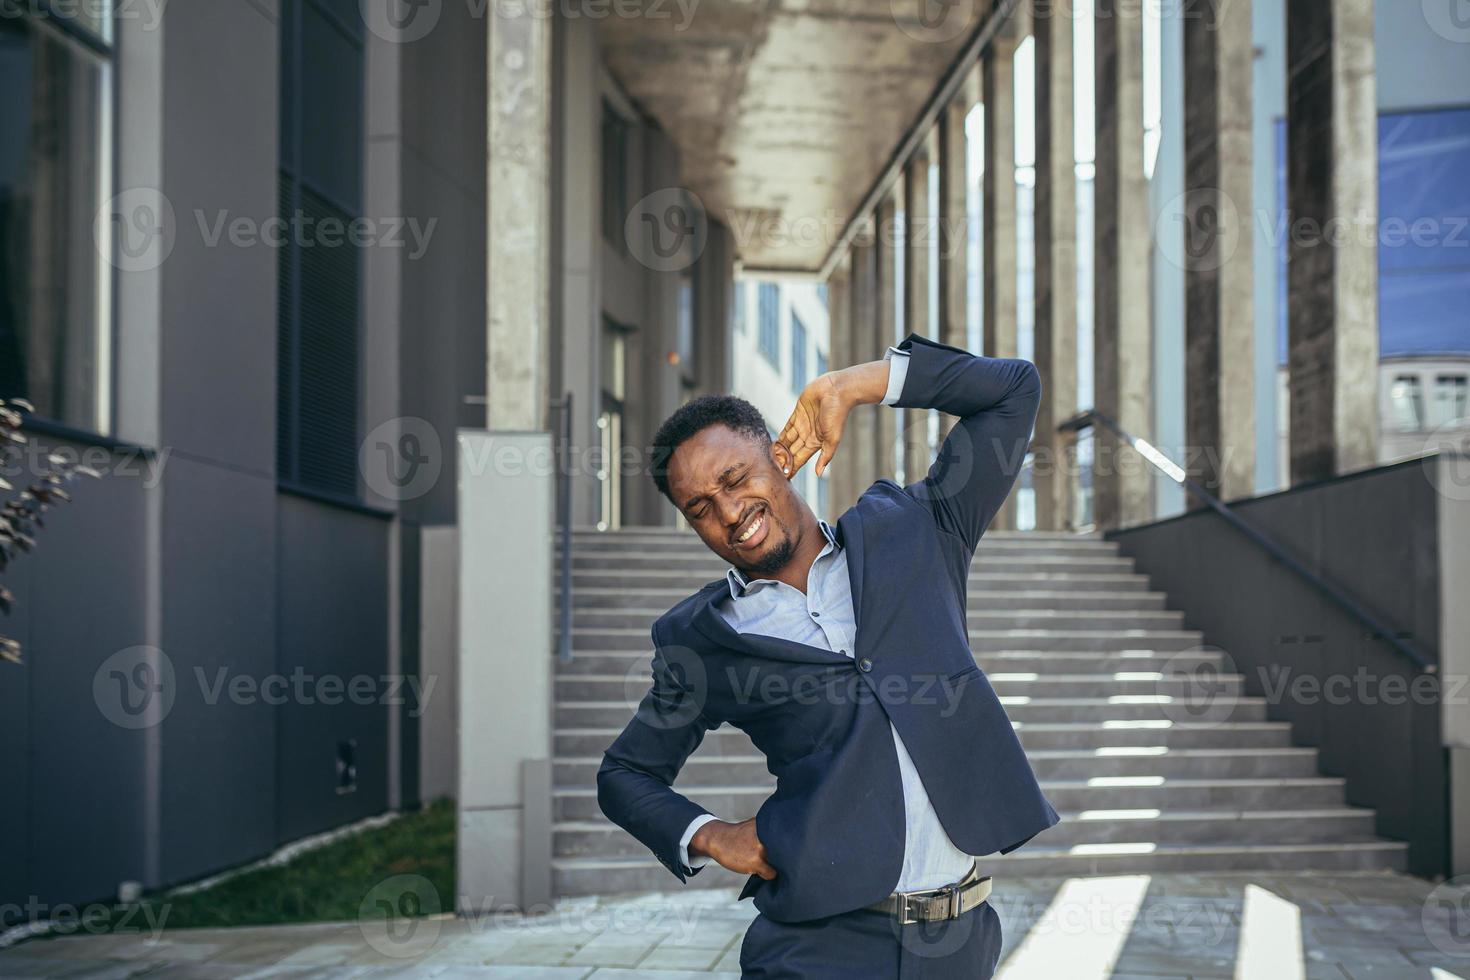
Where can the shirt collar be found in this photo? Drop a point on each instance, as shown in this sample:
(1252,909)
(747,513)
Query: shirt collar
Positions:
(740,585)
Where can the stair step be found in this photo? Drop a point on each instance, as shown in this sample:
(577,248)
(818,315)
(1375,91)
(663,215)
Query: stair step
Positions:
(981,641)
(624,662)
(658,600)
(1242,735)
(988,551)
(981,580)
(595,714)
(707,566)
(1310,792)
(661,531)
(600,838)
(602,876)
(1119,762)
(938,690)
(1013,618)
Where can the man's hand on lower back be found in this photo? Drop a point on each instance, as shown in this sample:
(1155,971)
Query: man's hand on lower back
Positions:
(734,846)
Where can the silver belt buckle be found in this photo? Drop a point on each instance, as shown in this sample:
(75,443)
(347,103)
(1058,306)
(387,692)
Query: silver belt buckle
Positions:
(905,916)
(954,902)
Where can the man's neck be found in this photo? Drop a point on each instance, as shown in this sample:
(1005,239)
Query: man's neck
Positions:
(809,544)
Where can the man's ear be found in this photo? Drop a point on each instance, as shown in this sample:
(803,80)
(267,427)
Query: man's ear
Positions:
(782,457)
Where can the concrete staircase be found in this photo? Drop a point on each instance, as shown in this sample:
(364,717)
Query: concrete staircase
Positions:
(1073,641)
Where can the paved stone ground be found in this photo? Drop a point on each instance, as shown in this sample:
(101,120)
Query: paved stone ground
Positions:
(1344,927)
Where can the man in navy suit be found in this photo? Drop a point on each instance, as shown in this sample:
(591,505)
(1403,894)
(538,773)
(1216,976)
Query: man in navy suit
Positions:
(844,654)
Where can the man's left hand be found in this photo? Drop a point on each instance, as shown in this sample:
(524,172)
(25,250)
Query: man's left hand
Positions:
(816,424)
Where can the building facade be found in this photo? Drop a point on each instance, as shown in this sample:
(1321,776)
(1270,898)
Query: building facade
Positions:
(261,311)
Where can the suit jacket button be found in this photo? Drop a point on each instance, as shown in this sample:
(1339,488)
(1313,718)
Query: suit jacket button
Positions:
(865,665)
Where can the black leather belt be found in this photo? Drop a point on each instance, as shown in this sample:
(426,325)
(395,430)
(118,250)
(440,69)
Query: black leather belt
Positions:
(939,904)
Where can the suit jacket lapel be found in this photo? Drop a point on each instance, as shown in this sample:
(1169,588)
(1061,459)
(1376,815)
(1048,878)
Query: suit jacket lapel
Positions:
(850,537)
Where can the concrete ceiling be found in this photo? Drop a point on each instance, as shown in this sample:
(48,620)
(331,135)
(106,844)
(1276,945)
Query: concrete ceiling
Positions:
(785,113)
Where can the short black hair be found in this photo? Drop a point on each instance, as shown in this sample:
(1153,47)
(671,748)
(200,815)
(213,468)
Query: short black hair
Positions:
(696,416)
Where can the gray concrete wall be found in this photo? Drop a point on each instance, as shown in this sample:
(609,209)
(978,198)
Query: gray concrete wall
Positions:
(1373,534)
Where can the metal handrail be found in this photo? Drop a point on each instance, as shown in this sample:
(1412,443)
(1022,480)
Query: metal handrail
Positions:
(563,407)
(1332,593)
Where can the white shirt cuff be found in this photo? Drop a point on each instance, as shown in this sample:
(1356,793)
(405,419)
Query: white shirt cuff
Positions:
(693,829)
(898,371)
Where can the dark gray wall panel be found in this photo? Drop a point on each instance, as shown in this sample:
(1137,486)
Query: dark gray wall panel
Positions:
(442,339)
(219,620)
(15,733)
(219,301)
(333,588)
(1374,535)
(71,827)
(442,318)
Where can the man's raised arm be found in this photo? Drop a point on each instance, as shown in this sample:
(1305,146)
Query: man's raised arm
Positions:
(996,401)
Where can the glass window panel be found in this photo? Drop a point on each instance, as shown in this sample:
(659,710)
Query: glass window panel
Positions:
(1449,400)
(769,312)
(52,182)
(798,354)
(1407,398)
(93,18)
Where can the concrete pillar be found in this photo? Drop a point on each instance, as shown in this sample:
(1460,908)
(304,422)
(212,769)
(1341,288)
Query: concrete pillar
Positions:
(1332,205)
(860,439)
(998,213)
(1122,360)
(504,495)
(1056,266)
(518,222)
(1219,387)
(954,232)
(954,225)
(918,236)
(505,658)
(839,354)
(885,326)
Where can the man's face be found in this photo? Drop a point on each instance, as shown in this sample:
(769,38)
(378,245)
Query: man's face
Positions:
(731,490)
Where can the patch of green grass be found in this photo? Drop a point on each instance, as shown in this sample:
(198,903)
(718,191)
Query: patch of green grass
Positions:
(330,883)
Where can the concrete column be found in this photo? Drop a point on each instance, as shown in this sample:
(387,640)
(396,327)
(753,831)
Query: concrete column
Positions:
(505,507)
(1056,265)
(861,438)
(839,355)
(1122,360)
(1332,205)
(954,225)
(1219,387)
(518,222)
(954,232)
(885,333)
(504,496)
(918,235)
(998,213)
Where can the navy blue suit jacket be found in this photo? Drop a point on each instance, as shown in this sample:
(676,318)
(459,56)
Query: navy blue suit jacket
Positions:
(834,827)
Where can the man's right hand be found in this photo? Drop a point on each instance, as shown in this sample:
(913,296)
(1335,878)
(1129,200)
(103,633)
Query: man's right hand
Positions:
(734,846)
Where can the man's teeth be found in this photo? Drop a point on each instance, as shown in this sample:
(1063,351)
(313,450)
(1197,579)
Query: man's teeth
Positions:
(754,527)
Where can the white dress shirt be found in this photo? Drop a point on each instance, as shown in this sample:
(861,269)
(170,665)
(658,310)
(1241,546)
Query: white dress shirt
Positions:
(824,617)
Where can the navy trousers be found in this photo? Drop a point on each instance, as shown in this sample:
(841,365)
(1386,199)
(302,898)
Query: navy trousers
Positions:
(873,946)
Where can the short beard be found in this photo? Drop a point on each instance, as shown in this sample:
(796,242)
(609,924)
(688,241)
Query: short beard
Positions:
(779,556)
